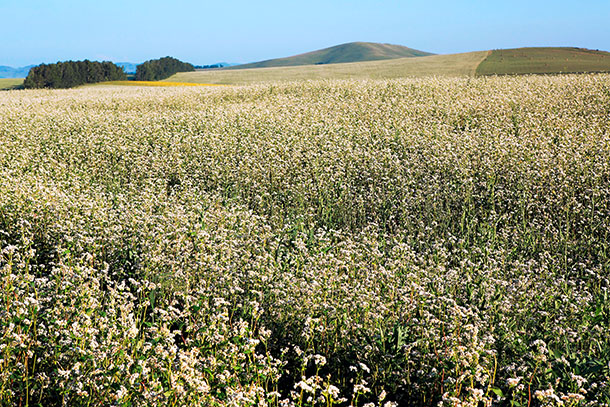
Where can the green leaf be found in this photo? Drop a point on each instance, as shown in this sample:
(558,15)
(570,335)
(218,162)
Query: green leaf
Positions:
(497,392)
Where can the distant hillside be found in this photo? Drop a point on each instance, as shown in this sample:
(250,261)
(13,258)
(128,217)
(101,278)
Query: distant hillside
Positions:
(541,60)
(215,66)
(350,52)
(128,67)
(444,65)
(10,72)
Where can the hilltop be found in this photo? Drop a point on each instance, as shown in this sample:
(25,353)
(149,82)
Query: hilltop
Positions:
(350,52)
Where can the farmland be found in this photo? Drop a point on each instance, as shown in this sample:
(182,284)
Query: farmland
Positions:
(10,83)
(415,241)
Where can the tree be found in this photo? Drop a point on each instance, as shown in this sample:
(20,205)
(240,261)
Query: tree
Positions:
(70,73)
(158,69)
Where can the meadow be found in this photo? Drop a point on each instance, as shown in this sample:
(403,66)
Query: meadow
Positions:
(10,83)
(423,241)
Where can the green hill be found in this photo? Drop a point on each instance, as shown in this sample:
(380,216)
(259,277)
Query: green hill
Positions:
(350,52)
(544,60)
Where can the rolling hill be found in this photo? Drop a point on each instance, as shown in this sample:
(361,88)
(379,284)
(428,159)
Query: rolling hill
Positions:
(344,53)
(541,60)
(443,65)
(544,60)
(10,72)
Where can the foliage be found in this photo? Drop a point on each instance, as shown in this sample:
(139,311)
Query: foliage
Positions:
(158,69)
(72,73)
(432,242)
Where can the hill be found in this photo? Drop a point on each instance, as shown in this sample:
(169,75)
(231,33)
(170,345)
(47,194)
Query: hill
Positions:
(443,65)
(128,67)
(544,60)
(10,72)
(350,52)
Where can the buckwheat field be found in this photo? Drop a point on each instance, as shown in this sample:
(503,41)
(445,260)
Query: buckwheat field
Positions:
(426,242)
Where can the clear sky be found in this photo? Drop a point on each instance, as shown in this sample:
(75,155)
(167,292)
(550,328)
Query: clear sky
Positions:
(205,32)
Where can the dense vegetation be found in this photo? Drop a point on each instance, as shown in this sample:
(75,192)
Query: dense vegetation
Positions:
(72,73)
(419,241)
(158,69)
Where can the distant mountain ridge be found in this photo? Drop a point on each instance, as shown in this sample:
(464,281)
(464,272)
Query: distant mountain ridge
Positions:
(349,52)
(10,72)
(128,67)
(216,65)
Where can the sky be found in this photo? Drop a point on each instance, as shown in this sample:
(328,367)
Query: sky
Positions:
(239,31)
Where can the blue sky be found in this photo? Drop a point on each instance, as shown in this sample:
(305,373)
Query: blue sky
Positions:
(202,32)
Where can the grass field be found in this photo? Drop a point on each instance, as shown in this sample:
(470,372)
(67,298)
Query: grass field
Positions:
(544,60)
(8,84)
(445,65)
(416,242)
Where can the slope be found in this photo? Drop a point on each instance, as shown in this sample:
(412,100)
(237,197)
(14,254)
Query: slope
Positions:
(446,65)
(350,52)
(544,60)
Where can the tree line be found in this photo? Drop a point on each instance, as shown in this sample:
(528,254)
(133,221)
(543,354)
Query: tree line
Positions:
(72,73)
(158,69)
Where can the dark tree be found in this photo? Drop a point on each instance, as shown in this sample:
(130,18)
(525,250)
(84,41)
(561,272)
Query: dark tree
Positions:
(72,73)
(157,69)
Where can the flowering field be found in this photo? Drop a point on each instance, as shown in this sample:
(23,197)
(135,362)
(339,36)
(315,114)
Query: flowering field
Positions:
(411,241)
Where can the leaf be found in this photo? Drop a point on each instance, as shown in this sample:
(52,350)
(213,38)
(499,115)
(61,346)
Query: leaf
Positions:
(497,392)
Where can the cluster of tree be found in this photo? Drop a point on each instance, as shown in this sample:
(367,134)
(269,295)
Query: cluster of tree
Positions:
(213,66)
(157,69)
(72,73)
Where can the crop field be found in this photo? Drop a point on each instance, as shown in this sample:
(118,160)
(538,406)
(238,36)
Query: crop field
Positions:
(398,242)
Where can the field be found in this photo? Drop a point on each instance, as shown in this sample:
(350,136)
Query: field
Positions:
(544,60)
(417,241)
(7,84)
(446,65)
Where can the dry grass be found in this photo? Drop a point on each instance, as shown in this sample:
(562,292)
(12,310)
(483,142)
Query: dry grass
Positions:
(445,65)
